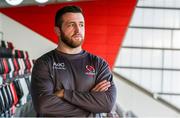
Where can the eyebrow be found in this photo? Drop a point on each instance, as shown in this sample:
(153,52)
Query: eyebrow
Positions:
(74,22)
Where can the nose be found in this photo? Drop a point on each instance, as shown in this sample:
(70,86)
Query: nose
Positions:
(77,29)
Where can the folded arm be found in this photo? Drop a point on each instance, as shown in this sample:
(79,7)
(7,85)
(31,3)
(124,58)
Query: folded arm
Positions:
(100,98)
(46,103)
(93,101)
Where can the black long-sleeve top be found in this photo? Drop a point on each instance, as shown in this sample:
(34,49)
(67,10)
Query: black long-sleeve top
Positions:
(77,74)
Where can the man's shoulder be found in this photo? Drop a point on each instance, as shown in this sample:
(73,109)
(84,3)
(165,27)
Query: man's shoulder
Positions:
(45,57)
(96,57)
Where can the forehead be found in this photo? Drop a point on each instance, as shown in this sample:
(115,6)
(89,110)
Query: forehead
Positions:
(73,17)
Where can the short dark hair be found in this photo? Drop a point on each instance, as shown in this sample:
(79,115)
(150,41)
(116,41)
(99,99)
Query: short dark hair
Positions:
(62,11)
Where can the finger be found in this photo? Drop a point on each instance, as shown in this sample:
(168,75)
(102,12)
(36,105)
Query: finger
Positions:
(104,90)
(99,84)
(59,93)
(103,86)
(102,82)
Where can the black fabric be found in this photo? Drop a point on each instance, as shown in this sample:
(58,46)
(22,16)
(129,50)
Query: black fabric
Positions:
(18,54)
(2,103)
(3,44)
(5,97)
(5,52)
(9,94)
(18,88)
(1,66)
(22,54)
(8,65)
(77,74)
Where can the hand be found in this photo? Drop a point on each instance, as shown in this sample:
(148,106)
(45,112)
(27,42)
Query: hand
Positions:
(101,86)
(60,93)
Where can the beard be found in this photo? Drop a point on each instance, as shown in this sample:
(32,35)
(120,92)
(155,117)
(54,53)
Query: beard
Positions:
(72,43)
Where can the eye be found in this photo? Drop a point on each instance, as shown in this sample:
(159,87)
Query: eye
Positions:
(70,25)
(81,25)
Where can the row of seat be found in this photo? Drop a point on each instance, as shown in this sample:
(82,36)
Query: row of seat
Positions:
(15,78)
(6,44)
(8,99)
(21,54)
(9,53)
(6,52)
(12,95)
(12,67)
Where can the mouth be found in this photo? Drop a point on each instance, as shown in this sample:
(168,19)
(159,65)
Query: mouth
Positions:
(77,36)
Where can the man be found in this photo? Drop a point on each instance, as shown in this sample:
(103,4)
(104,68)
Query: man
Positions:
(69,81)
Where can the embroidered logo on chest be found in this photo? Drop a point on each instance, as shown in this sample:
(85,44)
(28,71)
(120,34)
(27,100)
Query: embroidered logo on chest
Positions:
(60,66)
(90,70)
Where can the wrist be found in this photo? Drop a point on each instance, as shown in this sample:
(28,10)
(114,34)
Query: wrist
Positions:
(60,93)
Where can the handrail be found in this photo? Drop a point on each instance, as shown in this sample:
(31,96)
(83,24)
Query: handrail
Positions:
(154,28)
(168,93)
(150,48)
(148,68)
(158,7)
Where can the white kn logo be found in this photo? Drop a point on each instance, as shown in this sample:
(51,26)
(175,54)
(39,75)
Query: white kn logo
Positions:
(60,66)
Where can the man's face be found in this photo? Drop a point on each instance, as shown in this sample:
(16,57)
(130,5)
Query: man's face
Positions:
(72,29)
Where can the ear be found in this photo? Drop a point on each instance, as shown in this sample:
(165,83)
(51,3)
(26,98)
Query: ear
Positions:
(57,30)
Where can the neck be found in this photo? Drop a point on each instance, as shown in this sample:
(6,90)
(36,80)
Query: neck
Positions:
(68,50)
